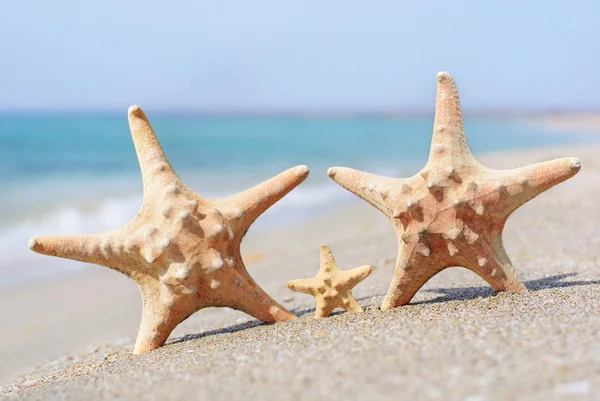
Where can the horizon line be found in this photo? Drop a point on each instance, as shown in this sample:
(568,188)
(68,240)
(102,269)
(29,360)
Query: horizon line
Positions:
(501,112)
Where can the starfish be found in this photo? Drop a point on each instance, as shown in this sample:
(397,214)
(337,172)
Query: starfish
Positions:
(332,287)
(182,249)
(452,213)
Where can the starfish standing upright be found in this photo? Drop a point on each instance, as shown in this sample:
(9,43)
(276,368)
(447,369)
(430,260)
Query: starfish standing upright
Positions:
(452,212)
(332,287)
(182,249)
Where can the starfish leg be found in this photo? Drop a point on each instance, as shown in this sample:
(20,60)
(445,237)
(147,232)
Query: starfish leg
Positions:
(494,266)
(150,154)
(323,309)
(356,275)
(523,184)
(84,248)
(301,285)
(326,260)
(158,320)
(248,205)
(250,298)
(409,277)
(449,134)
(352,305)
(99,249)
(372,188)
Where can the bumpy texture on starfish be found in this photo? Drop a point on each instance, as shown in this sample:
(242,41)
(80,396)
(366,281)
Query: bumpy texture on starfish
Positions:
(332,287)
(452,212)
(182,249)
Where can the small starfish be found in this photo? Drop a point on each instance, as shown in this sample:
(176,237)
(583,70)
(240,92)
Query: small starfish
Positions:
(182,249)
(332,287)
(452,212)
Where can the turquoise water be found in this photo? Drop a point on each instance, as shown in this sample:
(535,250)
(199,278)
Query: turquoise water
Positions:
(64,174)
(34,147)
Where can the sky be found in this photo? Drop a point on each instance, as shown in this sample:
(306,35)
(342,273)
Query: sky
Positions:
(297,56)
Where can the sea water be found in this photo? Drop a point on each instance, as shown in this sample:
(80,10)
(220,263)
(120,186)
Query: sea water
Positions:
(69,174)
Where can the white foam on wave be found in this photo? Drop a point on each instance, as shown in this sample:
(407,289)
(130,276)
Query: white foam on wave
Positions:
(20,264)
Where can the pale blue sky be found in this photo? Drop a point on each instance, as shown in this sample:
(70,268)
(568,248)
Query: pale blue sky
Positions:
(328,55)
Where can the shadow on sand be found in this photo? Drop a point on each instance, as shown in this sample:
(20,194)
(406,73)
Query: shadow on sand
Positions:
(467,293)
(449,294)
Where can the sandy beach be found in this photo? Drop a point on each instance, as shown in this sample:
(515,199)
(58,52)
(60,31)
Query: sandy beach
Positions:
(71,337)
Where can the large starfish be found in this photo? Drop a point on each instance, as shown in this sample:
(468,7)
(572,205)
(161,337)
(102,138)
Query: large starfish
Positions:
(182,249)
(452,212)
(332,287)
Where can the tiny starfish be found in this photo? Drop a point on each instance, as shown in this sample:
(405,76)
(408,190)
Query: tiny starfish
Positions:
(452,212)
(332,287)
(182,249)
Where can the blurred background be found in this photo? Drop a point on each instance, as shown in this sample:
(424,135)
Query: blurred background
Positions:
(239,91)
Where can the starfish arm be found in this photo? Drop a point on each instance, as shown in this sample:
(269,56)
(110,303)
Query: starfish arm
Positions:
(250,298)
(326,260)
(491,263)
(370,187)
(305,286)
(93,248)
(323,308)
(151,157)
(352,305)
(411,273)
(520,185)
(158,319)
(449,134)
(248,205)
(356,275)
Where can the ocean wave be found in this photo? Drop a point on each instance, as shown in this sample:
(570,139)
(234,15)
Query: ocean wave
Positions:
(21,264)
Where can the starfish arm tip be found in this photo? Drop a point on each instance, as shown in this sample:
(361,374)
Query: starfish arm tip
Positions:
(134,109)
(567,166)
(254,201)
(34,245)
(543,176)
(298,286)
(575,164)
(135,112)
(76,247)
(355,181)
(50,246)
(444,76)
(363,271)
(151,157)
(302,170)
(367,269)
(358,274)
(339,174)
(326,257)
